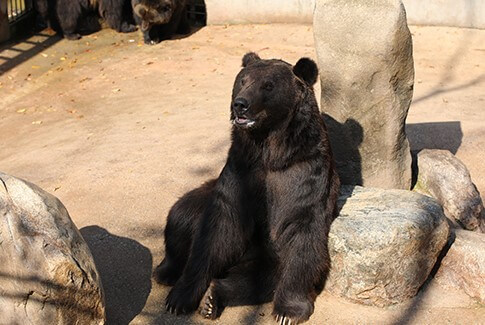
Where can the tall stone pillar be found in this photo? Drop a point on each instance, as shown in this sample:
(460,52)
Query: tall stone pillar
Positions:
(364,51)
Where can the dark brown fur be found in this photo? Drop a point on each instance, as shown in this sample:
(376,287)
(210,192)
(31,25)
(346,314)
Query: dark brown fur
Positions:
(160,19)
(259,231)
(66,15)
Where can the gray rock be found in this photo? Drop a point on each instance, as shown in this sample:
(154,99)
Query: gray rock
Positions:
(47,273)
(463,267)
(444,177)
(384,244)
(364,51)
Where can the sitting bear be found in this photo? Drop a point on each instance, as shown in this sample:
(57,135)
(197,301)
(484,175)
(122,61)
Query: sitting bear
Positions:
(258,232)
(160,19)
(65,15)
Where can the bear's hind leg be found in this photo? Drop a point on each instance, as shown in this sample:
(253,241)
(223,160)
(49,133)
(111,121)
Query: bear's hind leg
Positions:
(182,222)
(251,282)
(68,15)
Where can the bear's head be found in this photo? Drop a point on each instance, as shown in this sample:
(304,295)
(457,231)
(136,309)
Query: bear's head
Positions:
(154,12)
(268,92)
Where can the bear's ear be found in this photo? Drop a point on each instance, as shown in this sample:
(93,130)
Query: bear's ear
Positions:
(307,70)
(249,58)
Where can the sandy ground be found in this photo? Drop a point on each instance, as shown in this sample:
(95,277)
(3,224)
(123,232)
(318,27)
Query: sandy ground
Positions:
(119,130)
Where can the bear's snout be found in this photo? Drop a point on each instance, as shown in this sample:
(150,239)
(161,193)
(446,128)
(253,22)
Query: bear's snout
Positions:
(240,106)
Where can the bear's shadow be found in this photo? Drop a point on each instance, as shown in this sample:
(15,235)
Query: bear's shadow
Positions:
(125,267)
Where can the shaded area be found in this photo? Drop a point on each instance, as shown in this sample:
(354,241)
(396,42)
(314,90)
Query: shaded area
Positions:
(254,316)
(435,135)
(14,53)
(197,13)
(345,139)
(125,268)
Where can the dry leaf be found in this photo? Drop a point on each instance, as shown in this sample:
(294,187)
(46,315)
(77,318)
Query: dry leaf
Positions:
(22,110)
(37,122)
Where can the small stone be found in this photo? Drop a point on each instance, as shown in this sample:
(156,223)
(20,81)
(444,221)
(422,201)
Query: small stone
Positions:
(463,267)
(384,244)
(443,176)
(47,273)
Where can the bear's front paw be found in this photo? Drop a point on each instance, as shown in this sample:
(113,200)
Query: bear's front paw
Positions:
(182,300)
(127,27)
(151,41)
(291,312)
(72,36)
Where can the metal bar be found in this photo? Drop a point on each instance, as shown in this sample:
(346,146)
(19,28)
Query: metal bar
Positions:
(18,8)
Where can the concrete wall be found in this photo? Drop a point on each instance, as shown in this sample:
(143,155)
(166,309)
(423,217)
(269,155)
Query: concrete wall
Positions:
(259,11)
(460,13)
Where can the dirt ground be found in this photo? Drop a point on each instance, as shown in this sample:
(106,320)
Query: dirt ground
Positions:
(119,130)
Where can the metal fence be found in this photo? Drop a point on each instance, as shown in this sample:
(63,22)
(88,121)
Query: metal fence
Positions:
(197,13)
(17,9)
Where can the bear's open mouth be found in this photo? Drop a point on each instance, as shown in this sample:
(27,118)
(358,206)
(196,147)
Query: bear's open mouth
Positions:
(243,121)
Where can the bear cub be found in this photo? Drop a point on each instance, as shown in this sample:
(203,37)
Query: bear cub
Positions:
(160,19)
(259,232)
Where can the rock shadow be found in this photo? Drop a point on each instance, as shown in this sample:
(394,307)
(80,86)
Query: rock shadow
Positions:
(345,139)
(125,268)
(435,135)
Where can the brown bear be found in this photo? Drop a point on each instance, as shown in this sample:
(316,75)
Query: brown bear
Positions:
(66,15)
(160,19)
(258,232)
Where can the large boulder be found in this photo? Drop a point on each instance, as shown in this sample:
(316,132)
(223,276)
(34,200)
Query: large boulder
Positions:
(463,267)
(444,177)
(47,273)
(364,51)
(384,244)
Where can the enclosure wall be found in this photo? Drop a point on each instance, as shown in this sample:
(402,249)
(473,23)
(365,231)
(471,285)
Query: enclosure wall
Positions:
(459,13)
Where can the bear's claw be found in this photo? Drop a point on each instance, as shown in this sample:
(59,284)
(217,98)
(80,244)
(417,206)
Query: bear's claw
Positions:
(284,320)
(208,307)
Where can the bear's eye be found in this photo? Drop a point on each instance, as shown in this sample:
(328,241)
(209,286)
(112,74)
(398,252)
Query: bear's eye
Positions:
(166,8)
(268,85)
(243,81)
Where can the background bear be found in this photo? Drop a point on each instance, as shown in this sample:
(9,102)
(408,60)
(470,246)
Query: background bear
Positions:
(160,19)
(65,16)
(258,232)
